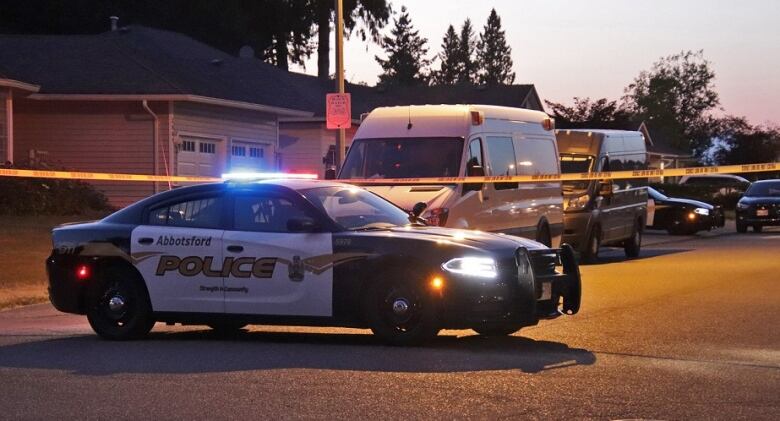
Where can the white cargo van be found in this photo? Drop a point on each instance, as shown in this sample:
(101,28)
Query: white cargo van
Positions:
(464,140)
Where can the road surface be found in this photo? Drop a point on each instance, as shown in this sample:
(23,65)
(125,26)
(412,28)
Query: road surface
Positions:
(689,330)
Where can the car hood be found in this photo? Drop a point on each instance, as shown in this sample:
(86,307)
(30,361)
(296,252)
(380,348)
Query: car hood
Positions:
(765,200)
(688,202)
(405,197)
(467,238)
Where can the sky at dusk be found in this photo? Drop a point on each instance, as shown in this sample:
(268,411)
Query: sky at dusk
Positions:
(595,48)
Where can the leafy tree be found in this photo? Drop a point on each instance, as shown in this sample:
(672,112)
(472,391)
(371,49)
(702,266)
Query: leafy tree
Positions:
(741,143)
(291,30)
(451,66)
(494,55)
(405,48)
(373,14)
(675,97)
(466,51)
(601,113)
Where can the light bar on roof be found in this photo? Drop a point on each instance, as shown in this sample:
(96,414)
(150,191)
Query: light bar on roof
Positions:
(249,176)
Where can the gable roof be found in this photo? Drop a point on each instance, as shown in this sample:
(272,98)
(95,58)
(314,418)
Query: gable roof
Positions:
(656,142)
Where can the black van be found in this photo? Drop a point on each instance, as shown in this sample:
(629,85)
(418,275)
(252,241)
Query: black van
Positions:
(603,212)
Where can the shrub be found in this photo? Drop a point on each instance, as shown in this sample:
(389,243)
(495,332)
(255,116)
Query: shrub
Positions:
(36,196)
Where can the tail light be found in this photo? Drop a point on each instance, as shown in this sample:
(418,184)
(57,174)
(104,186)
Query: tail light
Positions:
(83,272)
(438,217)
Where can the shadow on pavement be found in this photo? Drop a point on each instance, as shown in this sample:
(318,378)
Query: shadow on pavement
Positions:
(205,352)
(614,255)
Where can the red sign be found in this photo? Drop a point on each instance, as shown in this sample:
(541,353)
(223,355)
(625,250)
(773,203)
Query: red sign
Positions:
(338,111)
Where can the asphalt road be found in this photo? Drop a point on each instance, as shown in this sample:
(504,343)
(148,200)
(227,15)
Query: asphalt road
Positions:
(689,330)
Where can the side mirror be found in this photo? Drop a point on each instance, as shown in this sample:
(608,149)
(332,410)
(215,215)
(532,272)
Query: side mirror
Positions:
(605,188)
(303,224)
(474,171)
(330,174)
(418,209)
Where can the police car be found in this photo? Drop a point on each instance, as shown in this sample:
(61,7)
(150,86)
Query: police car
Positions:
(300,252)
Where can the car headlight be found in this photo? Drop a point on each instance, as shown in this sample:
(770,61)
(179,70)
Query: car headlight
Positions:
(576,203)
(481,267)
(742,206)
(702,211)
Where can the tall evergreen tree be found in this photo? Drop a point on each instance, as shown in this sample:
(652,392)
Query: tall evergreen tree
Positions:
(494,55)
(450,67)
(405,48)
(466,50)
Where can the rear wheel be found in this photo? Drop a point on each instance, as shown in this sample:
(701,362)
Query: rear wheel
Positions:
(497,330)
(741,227)
(591,252)
(400,311)
(758,228)
(122,310)
(633,245)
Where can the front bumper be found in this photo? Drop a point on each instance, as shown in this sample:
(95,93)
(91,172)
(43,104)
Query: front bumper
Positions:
(750,216)
(528,289)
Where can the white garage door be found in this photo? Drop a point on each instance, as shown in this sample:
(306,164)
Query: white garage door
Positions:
(248,156)
(199,157)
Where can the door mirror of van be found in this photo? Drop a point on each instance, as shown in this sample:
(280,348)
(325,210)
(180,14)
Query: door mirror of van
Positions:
(605,188)
(418,209)
(474,171)
(330,174)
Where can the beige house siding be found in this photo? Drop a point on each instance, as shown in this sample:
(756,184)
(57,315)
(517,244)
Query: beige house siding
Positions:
(116,137)
(224,125)
(302,146)
(3,128)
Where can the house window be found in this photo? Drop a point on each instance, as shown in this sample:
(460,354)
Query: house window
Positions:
(188,146)
(256,152)
(238,150)
(208,147)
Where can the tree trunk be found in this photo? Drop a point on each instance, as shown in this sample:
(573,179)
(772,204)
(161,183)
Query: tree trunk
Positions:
(323,46)
(281,51)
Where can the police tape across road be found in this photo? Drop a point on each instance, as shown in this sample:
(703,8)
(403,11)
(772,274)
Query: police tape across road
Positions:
(608,175)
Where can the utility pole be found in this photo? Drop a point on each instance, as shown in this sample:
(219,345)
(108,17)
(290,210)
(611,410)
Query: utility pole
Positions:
(340,137)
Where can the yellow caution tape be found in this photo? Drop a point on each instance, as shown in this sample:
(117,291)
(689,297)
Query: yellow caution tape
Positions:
(608,175)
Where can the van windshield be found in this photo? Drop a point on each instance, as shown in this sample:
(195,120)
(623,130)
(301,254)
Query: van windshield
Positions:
(571,164)
(403,158)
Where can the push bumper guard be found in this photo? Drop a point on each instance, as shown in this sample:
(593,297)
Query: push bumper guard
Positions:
(544,290)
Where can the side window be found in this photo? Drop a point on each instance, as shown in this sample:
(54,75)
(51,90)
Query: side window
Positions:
(198,213)
(536,156)
(501,156)
(264,213)
(475,156)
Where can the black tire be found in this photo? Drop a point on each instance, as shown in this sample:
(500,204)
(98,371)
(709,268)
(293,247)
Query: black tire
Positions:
(496,330)
(543,235)
(400,311)
(226,327)
(121,310)
(758,228)
(633,245)
(741,228)
(592,246)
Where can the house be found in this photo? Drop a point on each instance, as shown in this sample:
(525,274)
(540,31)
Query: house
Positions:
(305,144)
(148,101)
(140,100)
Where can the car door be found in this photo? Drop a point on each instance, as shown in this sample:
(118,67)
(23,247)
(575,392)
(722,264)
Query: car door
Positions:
(275,271)
(178,251)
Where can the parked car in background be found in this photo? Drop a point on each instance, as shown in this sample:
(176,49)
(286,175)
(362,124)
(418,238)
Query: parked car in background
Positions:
(606,212)
(720,184)
(681,216)
(464,140)
(760,206)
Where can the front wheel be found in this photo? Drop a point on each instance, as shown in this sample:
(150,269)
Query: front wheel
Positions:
(591,252)
(401,311)
(122,310)
(633,245)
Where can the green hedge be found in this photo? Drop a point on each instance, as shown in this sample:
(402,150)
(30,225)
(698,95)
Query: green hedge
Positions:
(34,196)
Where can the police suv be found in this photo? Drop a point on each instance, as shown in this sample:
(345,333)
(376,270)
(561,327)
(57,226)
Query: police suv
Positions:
(300,252)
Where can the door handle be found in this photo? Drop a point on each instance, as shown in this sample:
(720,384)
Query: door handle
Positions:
(145,241)
(235,249)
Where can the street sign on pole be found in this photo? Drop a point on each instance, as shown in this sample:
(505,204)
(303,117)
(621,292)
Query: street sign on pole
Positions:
(338,111)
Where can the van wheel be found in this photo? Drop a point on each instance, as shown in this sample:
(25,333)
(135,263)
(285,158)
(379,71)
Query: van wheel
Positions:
(400,311)
(122,310)
(741,228)
(591,252)
(633,245)
(543,235)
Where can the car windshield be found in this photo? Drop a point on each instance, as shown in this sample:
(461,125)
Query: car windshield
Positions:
(764,189)
(570,164)
(356,209)
(403,158)
(655,194)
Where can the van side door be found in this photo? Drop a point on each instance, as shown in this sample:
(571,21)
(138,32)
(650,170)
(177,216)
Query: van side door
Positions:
(509,208)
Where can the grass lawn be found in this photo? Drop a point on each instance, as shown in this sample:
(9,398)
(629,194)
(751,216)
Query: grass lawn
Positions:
(25,243)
